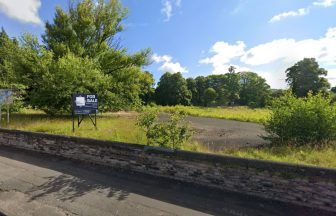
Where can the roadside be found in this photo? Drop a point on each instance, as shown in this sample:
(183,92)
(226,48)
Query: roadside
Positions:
(37,184)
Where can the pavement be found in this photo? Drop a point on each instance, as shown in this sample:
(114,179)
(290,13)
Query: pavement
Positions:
(38,184)
(217,134)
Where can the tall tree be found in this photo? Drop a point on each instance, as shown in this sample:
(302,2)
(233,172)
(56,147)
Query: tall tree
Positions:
(210,96)
(254,91)
(305,76)
(192,86)
(232,87)
(172,89)
(201,85)
(86,29)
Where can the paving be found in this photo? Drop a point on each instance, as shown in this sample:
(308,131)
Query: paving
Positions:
(38,184)
(218,134)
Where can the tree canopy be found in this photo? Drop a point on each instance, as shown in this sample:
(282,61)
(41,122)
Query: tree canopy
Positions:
(80,53)
(172,89)
(305,76)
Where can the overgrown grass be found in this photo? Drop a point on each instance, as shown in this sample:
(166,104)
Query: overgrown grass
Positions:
(234,113)
(122,127)
(110,126)
(323,157)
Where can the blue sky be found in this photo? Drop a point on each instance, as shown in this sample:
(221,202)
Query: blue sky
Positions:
(199,37)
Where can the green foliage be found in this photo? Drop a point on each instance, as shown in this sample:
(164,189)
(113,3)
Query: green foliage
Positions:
(210,95)
(333,89)
(68,75)
(86,29)
(254,91)
(243,88)
(305,76)
(299,121)
(79,55)
(146,121)
(173,133)
(172,89)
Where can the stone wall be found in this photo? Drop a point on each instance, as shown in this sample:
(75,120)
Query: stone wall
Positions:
(302,185)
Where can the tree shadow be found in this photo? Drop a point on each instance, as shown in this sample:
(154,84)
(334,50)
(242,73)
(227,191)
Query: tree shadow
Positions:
(73,180)
(67,187)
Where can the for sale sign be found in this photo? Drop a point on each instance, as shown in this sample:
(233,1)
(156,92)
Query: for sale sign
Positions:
(6,96)
(84,104)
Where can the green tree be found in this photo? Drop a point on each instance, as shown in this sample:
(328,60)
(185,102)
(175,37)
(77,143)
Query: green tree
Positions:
(172,89)
(210,95)
(173,133)
(305,76)
(147,87)
(84,34)
(88,28)
(333,89)
(302,121)
(192,86)
(254,91)
(232,87)
(60,79)
(201,85)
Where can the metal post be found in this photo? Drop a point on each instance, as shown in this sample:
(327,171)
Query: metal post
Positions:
(96,121)
(0,114)
(7,114)
(73,122)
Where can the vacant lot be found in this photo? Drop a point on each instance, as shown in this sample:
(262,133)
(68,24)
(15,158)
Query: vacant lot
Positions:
(238,113)
(212,135)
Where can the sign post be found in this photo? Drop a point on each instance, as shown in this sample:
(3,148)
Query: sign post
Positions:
(6,98)
(84,104)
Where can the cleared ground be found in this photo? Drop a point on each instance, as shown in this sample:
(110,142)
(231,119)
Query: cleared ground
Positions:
(217,134)
(36,184)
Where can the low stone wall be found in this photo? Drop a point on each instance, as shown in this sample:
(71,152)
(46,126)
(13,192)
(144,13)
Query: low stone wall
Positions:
(304,185)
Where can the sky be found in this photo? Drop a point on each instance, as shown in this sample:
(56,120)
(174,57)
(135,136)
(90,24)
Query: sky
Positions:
(202,37)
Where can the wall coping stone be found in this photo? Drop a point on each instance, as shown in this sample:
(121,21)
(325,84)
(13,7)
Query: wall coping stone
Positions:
(217,160)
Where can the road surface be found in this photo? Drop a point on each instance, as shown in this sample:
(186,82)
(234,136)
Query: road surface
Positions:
(39,185)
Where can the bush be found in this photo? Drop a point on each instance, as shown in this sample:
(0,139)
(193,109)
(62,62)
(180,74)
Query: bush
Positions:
(309,120)
(173,133)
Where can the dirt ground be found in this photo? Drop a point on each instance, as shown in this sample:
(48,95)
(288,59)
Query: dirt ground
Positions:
(217,134)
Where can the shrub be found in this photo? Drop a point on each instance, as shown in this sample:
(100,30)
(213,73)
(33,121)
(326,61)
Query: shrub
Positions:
(302,120)
(173,133)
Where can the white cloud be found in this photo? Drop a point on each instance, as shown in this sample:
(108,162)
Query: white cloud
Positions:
(223,54)
(178,3)
(274,56)
(23,10)
(299,12)
(324,3)
(290,50)
(167,64)
(302,11)
(167,8)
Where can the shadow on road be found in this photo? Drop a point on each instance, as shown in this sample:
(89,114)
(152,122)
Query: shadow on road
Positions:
(68,188)
(76,179)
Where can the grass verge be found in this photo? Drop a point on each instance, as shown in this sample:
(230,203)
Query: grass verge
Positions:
(233,113)
(322,157)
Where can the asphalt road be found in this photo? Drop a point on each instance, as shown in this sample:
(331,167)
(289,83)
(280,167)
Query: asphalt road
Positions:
(40,185)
